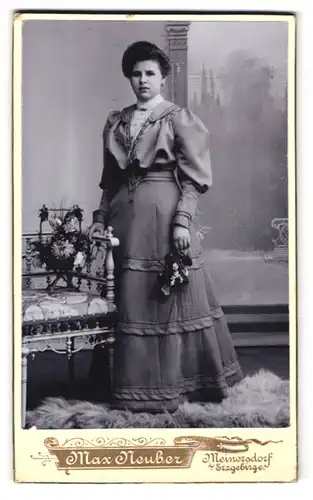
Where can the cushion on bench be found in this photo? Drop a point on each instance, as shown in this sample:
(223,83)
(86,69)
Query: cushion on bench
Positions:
(39,305)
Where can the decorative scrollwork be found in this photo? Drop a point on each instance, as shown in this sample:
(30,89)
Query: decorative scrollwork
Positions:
(143,441)
(222,444)
(95,337)
(51,441)
(93,323)
(28,282)
(178,28)
(46,346)
(28,254)
(45,459)
(281,225)
(281,240)
(101,442)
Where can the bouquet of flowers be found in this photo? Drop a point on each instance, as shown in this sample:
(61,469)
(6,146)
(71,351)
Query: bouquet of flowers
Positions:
(175,272)
(68,248)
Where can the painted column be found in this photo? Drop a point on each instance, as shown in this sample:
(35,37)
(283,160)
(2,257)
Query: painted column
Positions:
(177,36)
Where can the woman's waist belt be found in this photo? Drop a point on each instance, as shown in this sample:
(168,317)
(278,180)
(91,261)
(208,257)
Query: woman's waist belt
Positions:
(154,175)
(134,177)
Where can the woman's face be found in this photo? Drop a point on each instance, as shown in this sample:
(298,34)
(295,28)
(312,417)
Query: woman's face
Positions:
(146,80)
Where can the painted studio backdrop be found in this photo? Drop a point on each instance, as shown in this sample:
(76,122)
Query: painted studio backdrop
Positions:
(233,75)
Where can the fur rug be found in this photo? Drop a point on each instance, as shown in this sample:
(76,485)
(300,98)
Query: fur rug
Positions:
(260,400)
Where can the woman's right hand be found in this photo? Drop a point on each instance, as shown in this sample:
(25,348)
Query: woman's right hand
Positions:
(96,227)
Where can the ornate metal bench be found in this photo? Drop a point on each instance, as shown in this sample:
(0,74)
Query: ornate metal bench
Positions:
(67,319)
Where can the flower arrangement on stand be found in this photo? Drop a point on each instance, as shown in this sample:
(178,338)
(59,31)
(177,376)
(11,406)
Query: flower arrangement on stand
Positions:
(67,249)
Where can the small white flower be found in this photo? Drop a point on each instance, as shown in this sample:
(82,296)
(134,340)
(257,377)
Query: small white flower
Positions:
(63,249)
(80,260)
(71,225)
(55,222)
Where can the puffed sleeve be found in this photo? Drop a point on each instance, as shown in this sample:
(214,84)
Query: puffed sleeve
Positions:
(105,184)
(194,163)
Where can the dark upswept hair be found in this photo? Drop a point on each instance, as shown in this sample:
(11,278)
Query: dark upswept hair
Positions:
(144,51)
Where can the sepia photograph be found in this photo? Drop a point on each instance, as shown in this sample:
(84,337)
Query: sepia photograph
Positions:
(154,247)
(155,288)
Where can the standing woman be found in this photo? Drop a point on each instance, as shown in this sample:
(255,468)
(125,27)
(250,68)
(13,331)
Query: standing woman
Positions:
(172,343)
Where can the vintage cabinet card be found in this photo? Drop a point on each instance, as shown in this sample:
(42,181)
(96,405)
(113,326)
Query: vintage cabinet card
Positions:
(154,248)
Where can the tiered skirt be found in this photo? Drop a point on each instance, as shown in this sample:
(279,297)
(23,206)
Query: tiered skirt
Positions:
(168,348)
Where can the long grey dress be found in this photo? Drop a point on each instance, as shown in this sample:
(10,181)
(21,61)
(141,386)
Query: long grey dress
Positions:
(167,349)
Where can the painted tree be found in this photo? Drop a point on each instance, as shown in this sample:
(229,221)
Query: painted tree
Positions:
(249,155)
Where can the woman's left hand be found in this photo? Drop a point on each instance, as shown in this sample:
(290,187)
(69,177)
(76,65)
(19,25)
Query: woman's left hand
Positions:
(181,238)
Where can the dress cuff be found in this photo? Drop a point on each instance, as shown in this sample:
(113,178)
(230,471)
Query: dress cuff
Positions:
(99,216)
(181,219)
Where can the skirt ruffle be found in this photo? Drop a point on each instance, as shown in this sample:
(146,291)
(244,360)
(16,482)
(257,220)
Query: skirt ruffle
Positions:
(158,372)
